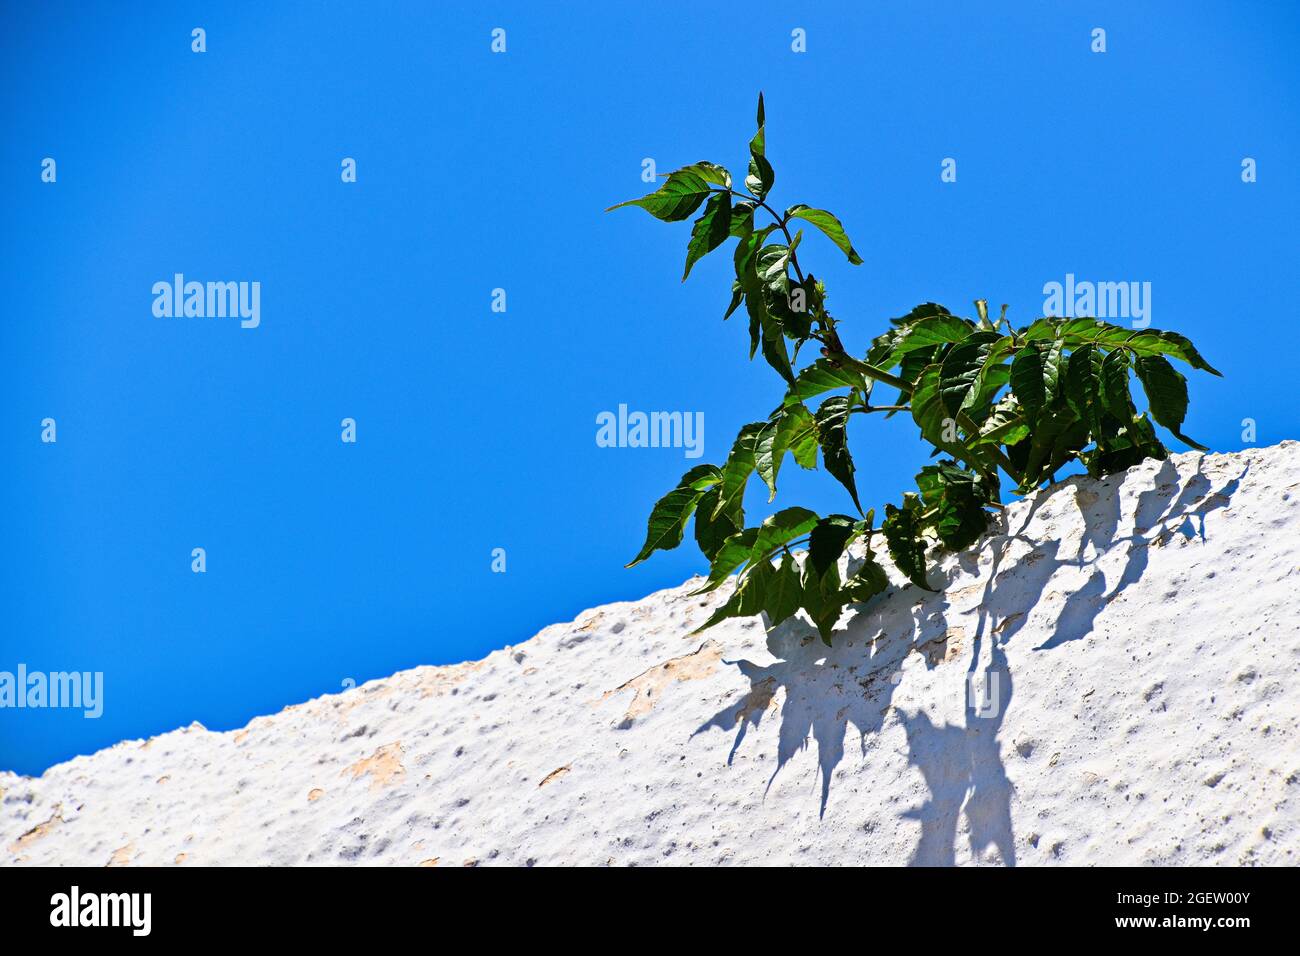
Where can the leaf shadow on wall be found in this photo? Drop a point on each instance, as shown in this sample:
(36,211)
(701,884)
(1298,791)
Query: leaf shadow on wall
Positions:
(825,690)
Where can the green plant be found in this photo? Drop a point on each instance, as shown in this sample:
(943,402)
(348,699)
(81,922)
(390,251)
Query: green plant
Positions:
(1025,402)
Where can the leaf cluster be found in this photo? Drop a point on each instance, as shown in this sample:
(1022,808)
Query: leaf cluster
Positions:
(989,399)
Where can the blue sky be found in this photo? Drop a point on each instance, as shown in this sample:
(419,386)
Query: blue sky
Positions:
(476,430)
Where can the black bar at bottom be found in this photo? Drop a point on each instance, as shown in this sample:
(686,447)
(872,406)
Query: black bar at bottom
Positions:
(335,905)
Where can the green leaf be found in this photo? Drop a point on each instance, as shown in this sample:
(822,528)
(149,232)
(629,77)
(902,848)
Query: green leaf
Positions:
(800,435)
(828,224)
(832,420)
(735,551)
(782,528)
(710,230)
(742,218)
(764,327)
(960,370)
(739,466)
(771,336)
(821,376)
(1045,328)
(823,599)
(923,311)
(749,598)
(903,535)
(829,539)
(933,330)
(1114,386)
(784,592)
(988,382)
(1005,425)
(1139,341)
(1054,441)
(709,172)
(929,413)
(883,347)
(1166,391)
(768,452)
(866,583)
(955,499)
(814,295)
(772,263)
(1150,342)
(761,175)
(760,178)
(671,512)
(1083,385)
(746,259)
(679,196)
(737,294)
(792,429)
(713,528)
(1121,446)
(914,363)
(795,323)
(1034,375)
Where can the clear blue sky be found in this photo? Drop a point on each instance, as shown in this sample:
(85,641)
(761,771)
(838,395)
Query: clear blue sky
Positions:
(476,430)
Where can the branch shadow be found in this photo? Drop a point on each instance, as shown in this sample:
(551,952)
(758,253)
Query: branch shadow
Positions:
(1169,507)
(825,690)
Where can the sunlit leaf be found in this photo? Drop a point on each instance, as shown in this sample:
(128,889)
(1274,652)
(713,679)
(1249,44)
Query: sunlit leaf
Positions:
(832,422)
(710,231)
(671,512)
(829,539)
(902,531)
(828,224)
(679,196)
(1166,391)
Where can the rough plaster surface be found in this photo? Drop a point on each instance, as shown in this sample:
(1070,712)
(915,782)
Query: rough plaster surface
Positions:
(1134,645)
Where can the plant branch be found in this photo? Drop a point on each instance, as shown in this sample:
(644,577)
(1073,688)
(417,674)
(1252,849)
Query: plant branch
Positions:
(829,337)
(1003,461)
(781,222)
(842,358)
(868,409)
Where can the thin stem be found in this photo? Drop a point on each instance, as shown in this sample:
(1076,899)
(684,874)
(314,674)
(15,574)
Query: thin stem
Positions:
(834,351)
(789,239)
(827,334)
(870,371)
(781,547)
(780,221)
(1003,461)
(868,409)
